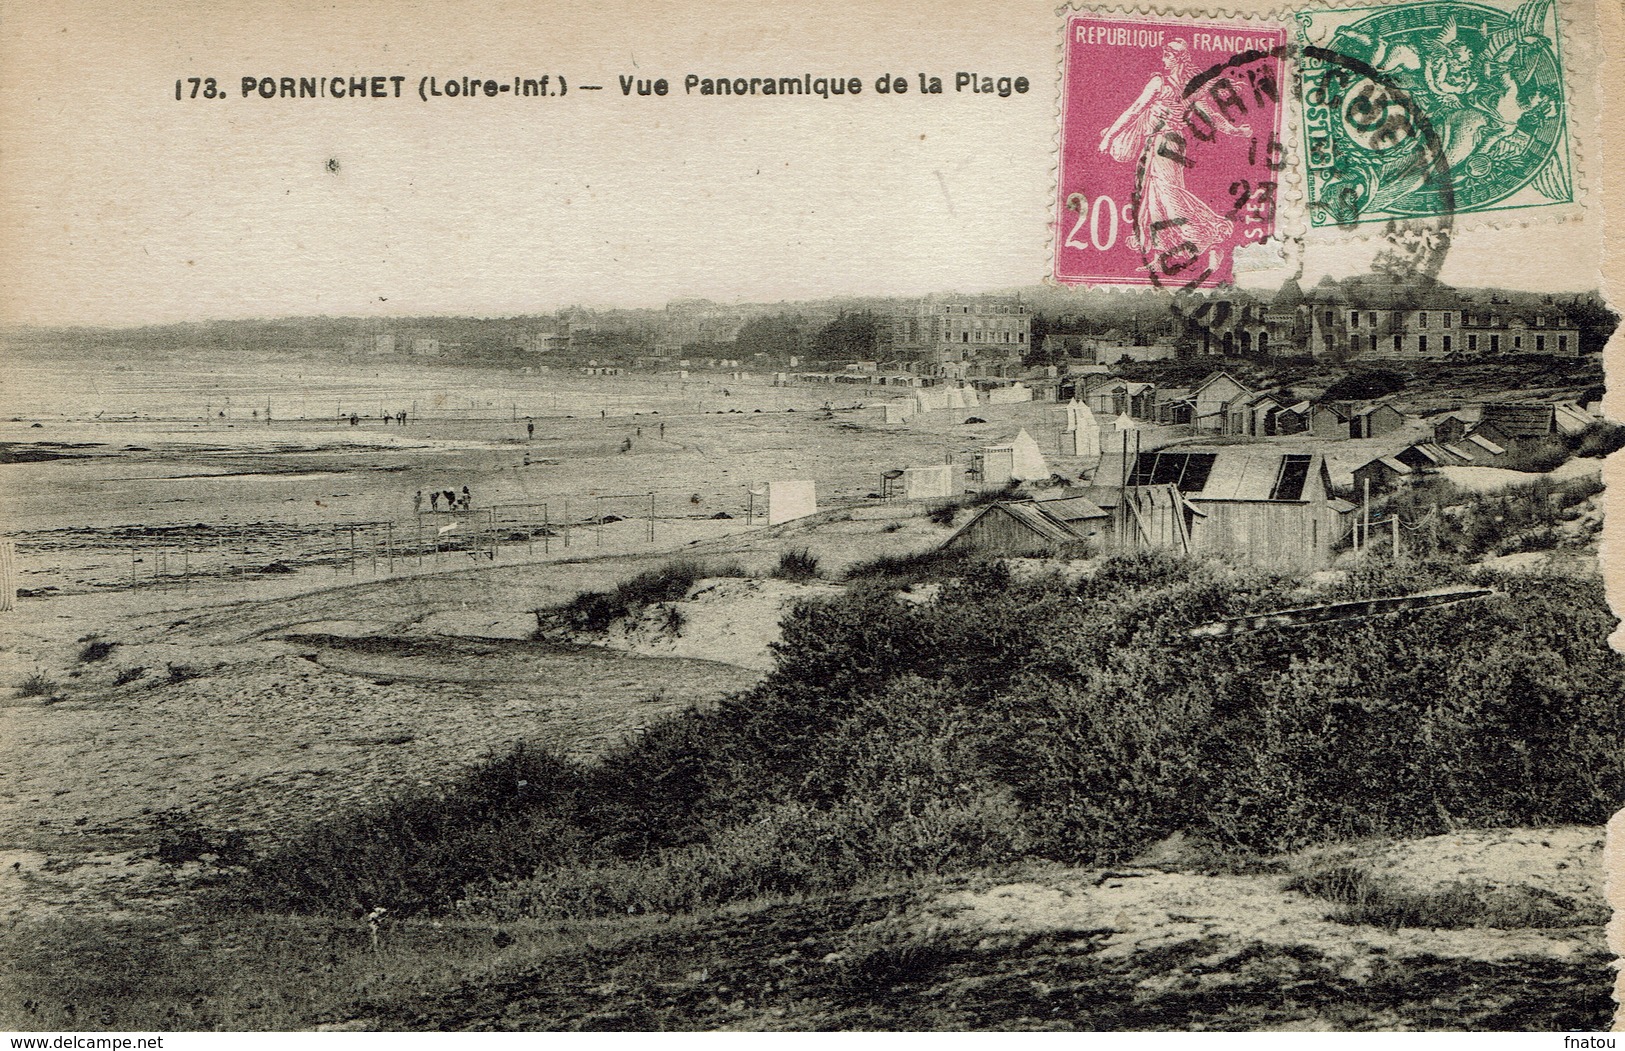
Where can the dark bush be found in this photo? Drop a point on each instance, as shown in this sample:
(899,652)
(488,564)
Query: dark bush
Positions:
(180,837)
(422,849)
(36,685)
(593,610)
(597,610)
(1441,522)
(900,570)
(666,583)
(1599,440)
(96,650)
(1364,898)
(1365,385)
(799,564)
(1536,457)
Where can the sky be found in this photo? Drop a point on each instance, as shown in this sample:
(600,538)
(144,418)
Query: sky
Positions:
(120,205)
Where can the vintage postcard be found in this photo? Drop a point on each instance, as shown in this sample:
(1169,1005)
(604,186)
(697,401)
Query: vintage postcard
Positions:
(827,517)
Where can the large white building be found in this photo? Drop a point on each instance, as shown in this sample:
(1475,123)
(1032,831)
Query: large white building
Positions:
(979,328)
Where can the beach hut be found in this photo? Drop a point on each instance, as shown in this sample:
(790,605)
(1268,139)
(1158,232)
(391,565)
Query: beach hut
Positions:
(1450,427)
(1328,421)
(1519,422)
(1145,517)
(929,483)
(1374,421)
(1020,460)
(1213,400)
(1267,503)
(1383,474)
(1477,448)
(789,500)
(1081,436)
(1027,528)
(1015,394)
(1294,419)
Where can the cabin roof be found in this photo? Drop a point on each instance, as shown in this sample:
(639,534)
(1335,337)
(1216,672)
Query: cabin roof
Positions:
(1521,421)
(1072,508)
(1396,466)
(1045,525)
(1224,472)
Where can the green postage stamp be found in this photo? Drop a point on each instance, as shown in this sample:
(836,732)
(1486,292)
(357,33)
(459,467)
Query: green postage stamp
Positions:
(1432,109)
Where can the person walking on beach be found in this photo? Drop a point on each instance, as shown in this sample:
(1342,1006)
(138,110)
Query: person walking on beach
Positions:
(451,500)
(530,428)
(468,500)
(662,431)
(434,501)
(417,503)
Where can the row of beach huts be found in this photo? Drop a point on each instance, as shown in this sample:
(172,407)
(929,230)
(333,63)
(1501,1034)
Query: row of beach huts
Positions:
(1220,488)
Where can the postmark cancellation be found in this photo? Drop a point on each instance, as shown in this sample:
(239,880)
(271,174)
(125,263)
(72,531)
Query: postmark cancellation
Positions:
(1482,85)
(1185,137)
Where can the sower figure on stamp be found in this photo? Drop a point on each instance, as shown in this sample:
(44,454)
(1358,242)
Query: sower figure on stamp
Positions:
(1169,215)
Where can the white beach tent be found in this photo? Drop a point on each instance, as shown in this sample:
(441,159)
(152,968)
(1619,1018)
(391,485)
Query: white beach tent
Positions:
(1019,461)
(1082,435)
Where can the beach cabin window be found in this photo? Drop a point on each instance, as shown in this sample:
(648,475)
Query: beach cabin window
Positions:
(1186,471)
(1290,479)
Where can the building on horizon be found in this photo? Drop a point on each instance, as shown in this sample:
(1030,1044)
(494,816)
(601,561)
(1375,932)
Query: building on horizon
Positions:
(1374,318)
(943,330)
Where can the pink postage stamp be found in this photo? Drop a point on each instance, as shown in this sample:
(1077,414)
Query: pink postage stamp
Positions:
(1171,147)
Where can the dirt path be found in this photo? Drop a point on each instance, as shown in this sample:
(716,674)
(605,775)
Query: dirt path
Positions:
(1058,949)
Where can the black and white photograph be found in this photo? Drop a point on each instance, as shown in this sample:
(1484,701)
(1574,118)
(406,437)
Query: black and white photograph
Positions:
(809,518)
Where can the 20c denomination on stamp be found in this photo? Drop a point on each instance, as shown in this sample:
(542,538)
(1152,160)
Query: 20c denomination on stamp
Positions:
(1170,150)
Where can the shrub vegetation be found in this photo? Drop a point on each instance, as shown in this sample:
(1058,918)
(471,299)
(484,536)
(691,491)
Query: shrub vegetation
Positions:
(597,610)
(798,564)
(1445,523)
(1362,897)
(96,650)
(36,685)
(1022,719)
